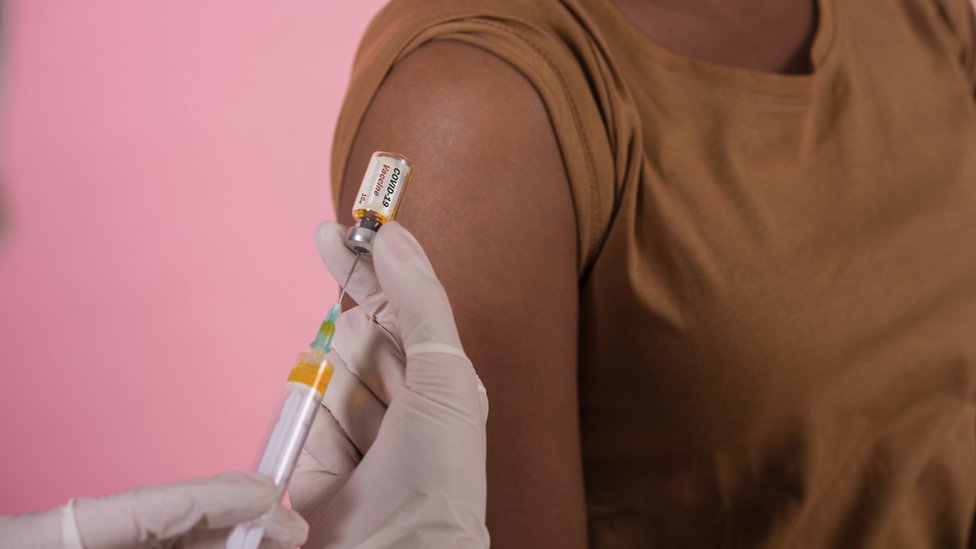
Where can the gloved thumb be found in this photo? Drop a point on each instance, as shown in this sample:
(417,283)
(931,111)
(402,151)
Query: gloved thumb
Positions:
(437,366)
(419,302)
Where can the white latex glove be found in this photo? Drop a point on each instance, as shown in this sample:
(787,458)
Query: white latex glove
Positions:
(396,454)
(196,513)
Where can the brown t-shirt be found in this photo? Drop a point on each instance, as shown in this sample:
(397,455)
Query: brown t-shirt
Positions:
(777,273)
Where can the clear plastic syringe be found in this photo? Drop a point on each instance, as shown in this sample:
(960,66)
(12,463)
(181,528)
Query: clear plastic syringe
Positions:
(306,386)
(377,203)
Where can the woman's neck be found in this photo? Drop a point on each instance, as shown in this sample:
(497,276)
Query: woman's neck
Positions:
(768,35)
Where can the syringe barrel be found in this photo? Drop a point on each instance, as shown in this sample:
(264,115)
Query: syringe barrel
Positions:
(303,395)
(288,435)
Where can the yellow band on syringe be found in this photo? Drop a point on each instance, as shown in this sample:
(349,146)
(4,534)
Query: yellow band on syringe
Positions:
(315,375)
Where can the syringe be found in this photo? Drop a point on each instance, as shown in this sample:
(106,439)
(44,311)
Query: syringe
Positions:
(306,386)
(378,202)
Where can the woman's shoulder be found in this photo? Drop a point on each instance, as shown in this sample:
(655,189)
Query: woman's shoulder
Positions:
(550,46)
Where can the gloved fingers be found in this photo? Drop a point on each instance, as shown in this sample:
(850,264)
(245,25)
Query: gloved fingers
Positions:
(311,487)
(329,450)
(283,529)
(417,299)
(443,375)
(170,510)
(327,458)
(436,364)
(370,352)
(330,240)
(353,405)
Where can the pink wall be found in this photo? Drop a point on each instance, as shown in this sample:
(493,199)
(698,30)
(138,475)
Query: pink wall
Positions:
(164,167)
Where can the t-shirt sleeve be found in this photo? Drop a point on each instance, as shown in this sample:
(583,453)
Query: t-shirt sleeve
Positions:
(969,41)
(972,47)
(546,44)
(960,17)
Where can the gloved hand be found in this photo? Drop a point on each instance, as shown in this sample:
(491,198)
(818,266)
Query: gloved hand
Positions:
(196,513)
(396,454)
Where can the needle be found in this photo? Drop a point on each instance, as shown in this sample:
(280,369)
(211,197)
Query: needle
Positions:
(323,339)
(348,278)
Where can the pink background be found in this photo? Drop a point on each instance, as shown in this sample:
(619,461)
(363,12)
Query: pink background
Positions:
(164,167)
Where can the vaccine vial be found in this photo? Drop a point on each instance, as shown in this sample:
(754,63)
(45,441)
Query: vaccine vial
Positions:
(378,201)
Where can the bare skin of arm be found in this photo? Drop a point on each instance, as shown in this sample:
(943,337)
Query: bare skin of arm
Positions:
(491,205)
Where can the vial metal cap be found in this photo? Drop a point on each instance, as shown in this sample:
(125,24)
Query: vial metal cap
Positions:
(360,240)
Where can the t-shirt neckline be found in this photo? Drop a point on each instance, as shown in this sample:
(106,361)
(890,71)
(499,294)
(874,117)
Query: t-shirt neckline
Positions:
(741,80)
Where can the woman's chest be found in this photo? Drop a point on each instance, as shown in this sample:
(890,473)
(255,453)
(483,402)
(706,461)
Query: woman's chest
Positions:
(766,255)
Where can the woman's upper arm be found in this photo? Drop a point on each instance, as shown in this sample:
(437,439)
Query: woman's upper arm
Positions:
(491,204)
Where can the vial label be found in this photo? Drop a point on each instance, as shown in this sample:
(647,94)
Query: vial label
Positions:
(382,188)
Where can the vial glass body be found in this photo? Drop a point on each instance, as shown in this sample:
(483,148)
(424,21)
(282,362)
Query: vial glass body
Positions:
(379,198)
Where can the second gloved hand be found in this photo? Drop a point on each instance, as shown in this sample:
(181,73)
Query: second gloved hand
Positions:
(191,514)
(396,455)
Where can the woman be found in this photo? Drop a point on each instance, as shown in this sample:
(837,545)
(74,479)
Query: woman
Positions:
(713,260)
